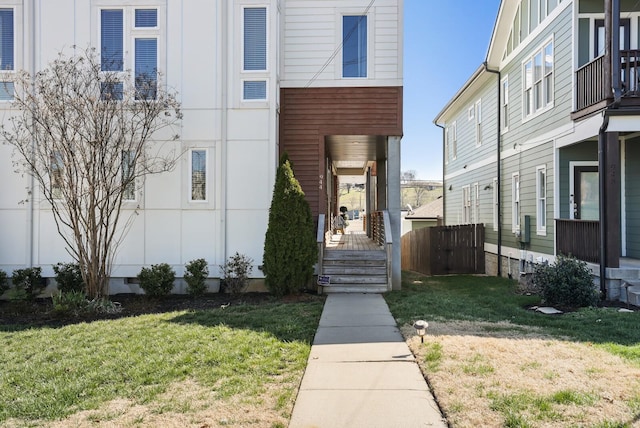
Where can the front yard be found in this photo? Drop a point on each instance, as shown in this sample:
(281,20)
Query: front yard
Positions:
(492,362)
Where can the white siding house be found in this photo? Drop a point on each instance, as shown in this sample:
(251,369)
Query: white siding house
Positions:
(228,60)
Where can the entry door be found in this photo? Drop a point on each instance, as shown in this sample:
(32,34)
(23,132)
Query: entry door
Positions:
(586,193)
(598,42)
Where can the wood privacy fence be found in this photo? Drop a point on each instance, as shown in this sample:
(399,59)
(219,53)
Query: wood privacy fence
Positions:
(444,250)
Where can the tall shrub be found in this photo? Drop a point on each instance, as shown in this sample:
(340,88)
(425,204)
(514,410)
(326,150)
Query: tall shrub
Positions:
(290,249)
(68,277)
(195,275)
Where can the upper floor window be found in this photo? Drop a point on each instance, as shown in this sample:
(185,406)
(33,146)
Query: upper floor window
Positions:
(454,141)
(354,46)
(254,52)
(478,123)
(538,80)
(7,60)
(515,203)
(144,38)
(504,105)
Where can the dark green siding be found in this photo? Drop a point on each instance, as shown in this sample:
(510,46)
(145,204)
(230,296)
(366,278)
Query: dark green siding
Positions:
(586,151)
(632,197)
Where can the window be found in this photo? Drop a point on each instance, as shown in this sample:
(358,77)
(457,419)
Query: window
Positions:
(541,200)
(504,105)
(515,207)
(143,38)
(466,205)
(254,52)
(454,141)
(538,80)
(495,204)
(198,177)
(354,46)
(478,127)
(57,164)
(7,61)
(446,145)
(476,206)
(128,175)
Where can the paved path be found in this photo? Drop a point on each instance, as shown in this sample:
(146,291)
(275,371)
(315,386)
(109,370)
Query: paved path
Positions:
(361,373)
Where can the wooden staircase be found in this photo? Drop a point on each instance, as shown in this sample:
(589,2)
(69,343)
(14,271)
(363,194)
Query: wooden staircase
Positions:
(355,271)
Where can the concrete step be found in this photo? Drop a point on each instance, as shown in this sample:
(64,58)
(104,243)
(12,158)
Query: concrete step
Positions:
(633,295)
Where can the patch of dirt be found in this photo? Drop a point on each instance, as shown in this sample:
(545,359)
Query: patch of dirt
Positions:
(481,366)
(39,312)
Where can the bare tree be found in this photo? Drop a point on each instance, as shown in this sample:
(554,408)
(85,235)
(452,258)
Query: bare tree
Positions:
(88,138)
(407,176)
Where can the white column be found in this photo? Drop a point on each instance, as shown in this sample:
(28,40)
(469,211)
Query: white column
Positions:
(393,206)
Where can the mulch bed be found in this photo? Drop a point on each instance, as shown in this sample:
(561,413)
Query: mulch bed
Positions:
(39,312)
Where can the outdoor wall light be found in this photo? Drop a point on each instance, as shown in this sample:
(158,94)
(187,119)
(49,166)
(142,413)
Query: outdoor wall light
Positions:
(421,328)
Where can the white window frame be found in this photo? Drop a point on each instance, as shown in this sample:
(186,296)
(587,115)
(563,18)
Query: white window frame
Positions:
(515,203)
(478,123)
(495,203)
(454,140)
(8,76)
(541,200)
(131,33)
(254,75)
(466,204)
(446,145)
(536,96)
(504,104)
(206,175)
(253,100)
(471,113)
(476,203)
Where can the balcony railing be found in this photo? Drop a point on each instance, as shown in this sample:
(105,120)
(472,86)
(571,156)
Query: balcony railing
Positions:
(590,79)
(579,238)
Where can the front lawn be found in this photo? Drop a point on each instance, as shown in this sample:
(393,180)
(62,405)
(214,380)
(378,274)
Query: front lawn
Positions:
(493,362)
(234,366)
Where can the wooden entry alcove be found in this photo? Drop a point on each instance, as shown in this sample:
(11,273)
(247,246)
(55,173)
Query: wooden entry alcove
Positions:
(308,115)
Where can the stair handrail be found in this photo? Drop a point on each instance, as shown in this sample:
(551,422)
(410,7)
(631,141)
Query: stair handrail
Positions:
(320,236)
(388,244)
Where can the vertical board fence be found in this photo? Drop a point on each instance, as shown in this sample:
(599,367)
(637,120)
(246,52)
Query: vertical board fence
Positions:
(444,250)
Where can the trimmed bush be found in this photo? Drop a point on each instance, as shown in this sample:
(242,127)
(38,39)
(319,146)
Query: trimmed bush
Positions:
(567,283)
(68,277)
(195,275)
(290,248)
(27,283)
(235,273)
(157,281)
(4,283)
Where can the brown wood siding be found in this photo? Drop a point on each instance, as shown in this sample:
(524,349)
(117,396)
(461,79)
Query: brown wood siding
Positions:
(307,115)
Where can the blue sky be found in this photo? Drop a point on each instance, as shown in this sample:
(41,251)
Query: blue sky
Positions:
(444,43)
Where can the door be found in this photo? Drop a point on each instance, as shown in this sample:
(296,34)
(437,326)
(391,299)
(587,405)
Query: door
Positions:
(598,42)
(585,198)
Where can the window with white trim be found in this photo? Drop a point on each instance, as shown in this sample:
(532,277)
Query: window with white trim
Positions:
(128,175)
(538,80)
(495,204)
(446,145)
(466,205)
(478,123)
(515,202)
(198,175)
(453,143)
(476,205)
(255,53)
(7,57)
(354,46)
(135,30)
(541,200)
(55,174)
(504,105)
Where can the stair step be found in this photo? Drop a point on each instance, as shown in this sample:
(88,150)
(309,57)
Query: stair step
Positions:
(371,288)
(353,270)
(358,279)
(354,255)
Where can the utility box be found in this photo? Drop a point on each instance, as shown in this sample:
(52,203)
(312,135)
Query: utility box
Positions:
(525,233)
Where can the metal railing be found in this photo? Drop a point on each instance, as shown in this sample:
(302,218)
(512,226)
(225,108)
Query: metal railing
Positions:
(320,234)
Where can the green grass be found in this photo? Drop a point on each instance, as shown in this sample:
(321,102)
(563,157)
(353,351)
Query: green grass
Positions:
(48,373)
(492,299)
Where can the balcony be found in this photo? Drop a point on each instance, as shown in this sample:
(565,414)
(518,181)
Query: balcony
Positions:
(591,92)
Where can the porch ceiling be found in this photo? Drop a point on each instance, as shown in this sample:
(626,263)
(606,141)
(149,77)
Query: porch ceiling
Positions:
(352,153)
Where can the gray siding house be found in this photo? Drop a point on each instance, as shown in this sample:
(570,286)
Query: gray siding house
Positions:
(542,143)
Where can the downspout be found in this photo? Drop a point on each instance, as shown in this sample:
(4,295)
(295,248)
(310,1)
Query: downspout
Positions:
(602,210)
(223,126)
(444,200)
(32,180)
(498,163)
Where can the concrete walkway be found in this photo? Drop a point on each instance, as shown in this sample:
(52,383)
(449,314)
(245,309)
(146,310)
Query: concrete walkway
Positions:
(361,373)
